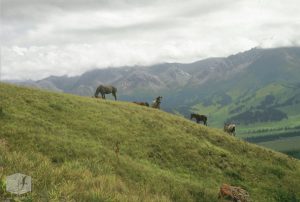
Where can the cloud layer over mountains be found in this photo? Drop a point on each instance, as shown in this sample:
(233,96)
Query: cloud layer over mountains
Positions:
(53,37)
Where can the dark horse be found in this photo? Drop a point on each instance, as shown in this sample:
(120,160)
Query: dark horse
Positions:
(199,118)
(142,103)
(156,102)
(106,90)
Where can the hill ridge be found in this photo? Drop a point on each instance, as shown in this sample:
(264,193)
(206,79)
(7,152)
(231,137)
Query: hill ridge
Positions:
(162,157)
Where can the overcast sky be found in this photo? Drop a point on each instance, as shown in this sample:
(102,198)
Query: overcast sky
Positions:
(58,37)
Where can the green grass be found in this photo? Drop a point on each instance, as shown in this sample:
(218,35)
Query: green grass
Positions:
(289,146)
(66,143)
(283,145)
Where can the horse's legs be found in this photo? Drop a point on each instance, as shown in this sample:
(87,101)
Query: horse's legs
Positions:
(103,95)
(114,94)
(158,105)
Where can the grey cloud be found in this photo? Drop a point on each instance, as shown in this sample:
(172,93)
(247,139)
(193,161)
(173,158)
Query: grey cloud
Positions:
(200,8)
(172,19)
(43,37)
(153,26)
(277,25)
(37,10)
(30,8)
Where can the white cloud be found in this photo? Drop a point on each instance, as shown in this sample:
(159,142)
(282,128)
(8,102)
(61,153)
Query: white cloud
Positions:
(42,38)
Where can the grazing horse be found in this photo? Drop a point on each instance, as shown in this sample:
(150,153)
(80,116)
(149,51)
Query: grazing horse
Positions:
(199,118)
(229,128)
(106,90)
(142,103)
(156,102)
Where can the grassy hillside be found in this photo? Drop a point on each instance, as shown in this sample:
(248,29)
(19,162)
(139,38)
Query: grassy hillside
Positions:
(66,143)
(267,111)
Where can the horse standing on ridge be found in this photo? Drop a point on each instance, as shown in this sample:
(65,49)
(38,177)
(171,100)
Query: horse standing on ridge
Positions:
(229,128)
(199,118)
(106,90)
(156,102)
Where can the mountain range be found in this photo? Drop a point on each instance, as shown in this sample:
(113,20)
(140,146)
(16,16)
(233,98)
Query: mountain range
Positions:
(205,86)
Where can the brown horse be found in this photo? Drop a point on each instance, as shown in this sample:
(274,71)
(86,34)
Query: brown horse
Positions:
(142,103)
(156,102)
(106,90)
(199,118)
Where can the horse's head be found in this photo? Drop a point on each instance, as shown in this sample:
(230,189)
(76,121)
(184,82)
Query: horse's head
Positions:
(158,99)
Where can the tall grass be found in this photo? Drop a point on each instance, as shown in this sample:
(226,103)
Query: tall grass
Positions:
(67,144)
